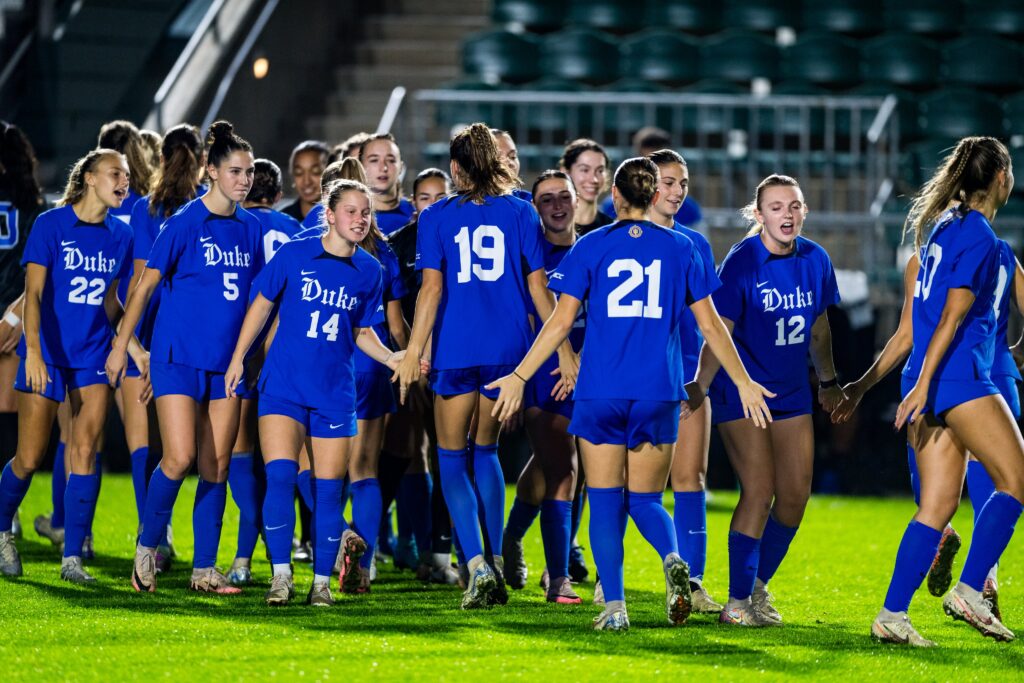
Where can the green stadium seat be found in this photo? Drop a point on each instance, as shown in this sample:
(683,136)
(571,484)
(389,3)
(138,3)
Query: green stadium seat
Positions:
(709,120)
(760,15)
(661,56)
(984,61)
(959,112)
(536,15)
(501,56)
(791,120)
(824,59)
(906,109)
(853,17)
(558,118)
(921,159)
(931,17)
(616,16)
(451,114)
(998,16)
(625,119)
(582,55)
(694,16)
(739,56)
(901,59)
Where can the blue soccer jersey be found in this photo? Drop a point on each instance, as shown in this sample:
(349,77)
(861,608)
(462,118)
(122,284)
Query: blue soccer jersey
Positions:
(392,219)
(124,212)
(278,229)
(692,338)
(774,301)
(322,297)
(315,218)
(483,252)
(208,263)
(1003,363)
(81,260)
(392,287)
(636,279)
(962,251)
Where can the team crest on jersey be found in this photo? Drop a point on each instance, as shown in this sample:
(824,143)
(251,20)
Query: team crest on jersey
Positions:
(636,231)
(74,259)
(773,299)
(312,290)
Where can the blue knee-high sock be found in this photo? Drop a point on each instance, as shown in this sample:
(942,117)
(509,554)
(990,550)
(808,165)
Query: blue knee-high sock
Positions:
(80,504)
(992,533)
(346,495)
(245,490)
(555,524)
(653,521)
(152,461)
(12,492)
(207,520)
(577,514)
(690,517)
(305,484)
(98,471)
(140,478)
(160,496)
(279,509)
(490,483)
(522,516)
(460,554)
(413,503)
(980,487)
(57,487)
(460,496)
(744,554)
(366,515)
(774,546)
(914,557)
(327,513)
(607,528)
(915,478)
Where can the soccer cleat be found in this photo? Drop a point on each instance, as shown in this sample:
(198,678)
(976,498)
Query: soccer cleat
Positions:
(163,557)
(407,555)
(578,565)
(240,573)
(498,594)
(304,553)
(10,561)
(16,524)
(741,613)
(598,592)
(545,579)
(144,570)
(441,570)
(71,569)
(512,551)
(701,601)
(940,576)
(481,583)
(966,604)
(352,548)
(761,603)
(561,592)
(320,595)
(372,571)
(45,528)
(282,590)
(612,620)
(209,580)
(88,552)
(897,629)
(678,602)
(991,593)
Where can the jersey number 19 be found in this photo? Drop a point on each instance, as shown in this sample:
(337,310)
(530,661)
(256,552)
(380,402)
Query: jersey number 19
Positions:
(493,253)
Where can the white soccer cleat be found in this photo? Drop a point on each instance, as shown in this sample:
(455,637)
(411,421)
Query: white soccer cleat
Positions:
(701,601)
(761,602)
(71,569)
(741,613)
(966,604)
(678,601)
(612,620)
(890,627)
(44,527)
(10,561)
(282,590)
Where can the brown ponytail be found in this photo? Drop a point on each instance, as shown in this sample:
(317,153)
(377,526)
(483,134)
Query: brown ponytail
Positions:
(636,180)
(76,188)
(124,137)
(175,181)
(482,172)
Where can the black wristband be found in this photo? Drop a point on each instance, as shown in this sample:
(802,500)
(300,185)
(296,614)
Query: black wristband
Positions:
(517,375)
(828,383)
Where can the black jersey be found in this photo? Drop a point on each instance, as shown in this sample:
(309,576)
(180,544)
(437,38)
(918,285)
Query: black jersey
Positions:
(293,209)
(600,220)
(15,224)
(403,243)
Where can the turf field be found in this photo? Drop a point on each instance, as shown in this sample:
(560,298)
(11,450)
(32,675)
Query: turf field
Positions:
(828,591)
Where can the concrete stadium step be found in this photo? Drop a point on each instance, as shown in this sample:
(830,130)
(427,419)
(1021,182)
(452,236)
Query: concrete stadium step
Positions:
(357,105)
(439,8)
(404,52)
(384,77)
(424,27)
(335,129)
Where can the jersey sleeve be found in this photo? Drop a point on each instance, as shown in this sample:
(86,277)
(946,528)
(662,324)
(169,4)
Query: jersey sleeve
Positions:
(729,297)
(125,271)
(530,227)
(573,275)
(829,287)
(395,285)
(142,229)
(701,278)
(371,309)
(429,252)
(971,266)
(40,247)
(167,248)
(271,281)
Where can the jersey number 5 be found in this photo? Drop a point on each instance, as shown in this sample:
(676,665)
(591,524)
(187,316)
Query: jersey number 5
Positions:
(494,252)
(651,308)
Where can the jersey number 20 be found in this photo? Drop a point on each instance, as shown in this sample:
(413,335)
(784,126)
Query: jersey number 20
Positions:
(494,253)
(648,308)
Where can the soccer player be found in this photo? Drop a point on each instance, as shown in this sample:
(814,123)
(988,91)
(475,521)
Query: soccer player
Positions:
(74,257)
(124,137)
(950,401)
(329,294)
(307,163)
(548,482)
(776,287)
(382,160)
(473,249)
(587,163)
(690,461)
(509,153)
(635,278)
(204,258)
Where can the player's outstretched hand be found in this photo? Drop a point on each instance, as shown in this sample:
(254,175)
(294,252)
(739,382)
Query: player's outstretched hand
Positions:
(912,406)
(752,397)
(232,378)
(394,359)
(117,362)
(830,398)
(510,396)
(852,394)
(36,373)
(568,372)
(407,372)
(695,397)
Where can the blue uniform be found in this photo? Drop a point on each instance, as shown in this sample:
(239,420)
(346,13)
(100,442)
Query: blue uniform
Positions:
(773,301)
(392,219)
(482,250)
(636,278)
(278,228)
(375,396)
(1004,369)
(309,374)
(124,212)
(208,263)
(692,338)
(81,260)
(315,218)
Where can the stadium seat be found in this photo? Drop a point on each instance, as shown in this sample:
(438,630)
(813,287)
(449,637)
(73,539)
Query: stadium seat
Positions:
(931,17)
(695,16)
(616,16)
(661,56)
(984,61)
(824,59)
(760,15)
(854,17)
(610,122)
(582,55)
(536,15)
(710,120)
(562,119)
(959,112)
(901,59)
(739,56)
(450,114)
(921,159)
(790,120)
(997,16)
(501,56)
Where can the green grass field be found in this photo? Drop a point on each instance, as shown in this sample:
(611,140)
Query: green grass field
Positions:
(829,590)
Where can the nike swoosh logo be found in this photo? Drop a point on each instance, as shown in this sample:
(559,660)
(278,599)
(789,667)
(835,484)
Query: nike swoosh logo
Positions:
(334,540)
(101,372)
(307,272)
(762,284)
(64,244)
(275,528)
(205,239)
(697,533)
(337,426)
